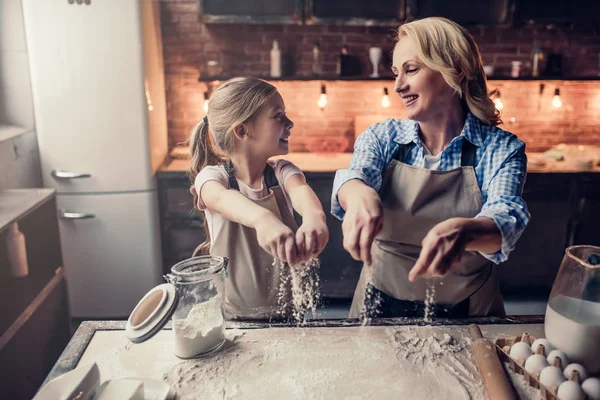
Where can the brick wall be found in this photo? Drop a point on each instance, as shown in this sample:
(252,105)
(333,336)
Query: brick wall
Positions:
(244,50)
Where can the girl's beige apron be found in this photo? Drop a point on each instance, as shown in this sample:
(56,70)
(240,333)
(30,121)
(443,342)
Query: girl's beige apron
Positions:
(414,201)
(252,284)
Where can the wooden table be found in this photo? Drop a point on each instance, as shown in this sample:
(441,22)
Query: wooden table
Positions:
(104,343)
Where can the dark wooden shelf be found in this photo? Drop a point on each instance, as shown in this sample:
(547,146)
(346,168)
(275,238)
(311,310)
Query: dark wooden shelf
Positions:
(304,78)
(391,78)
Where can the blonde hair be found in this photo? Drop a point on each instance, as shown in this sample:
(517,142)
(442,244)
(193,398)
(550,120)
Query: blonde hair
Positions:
(235,102)
(448,48)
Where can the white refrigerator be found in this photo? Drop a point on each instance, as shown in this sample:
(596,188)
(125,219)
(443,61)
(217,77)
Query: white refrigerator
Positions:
(99,97)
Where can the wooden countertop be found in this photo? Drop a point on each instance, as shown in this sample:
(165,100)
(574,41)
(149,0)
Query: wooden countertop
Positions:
(16,203)
(331,162)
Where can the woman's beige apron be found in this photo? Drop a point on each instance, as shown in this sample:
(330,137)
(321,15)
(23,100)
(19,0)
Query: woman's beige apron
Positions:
(252,286)
(414,201)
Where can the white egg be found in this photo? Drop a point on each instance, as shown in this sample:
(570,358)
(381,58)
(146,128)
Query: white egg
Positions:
(591,387)
(576,367)
(570,390)
(551,377)
(520,351)
(535,364)
(542,342)
(564,360)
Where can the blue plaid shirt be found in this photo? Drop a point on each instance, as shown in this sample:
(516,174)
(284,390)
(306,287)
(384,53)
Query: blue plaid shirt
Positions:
(500,168)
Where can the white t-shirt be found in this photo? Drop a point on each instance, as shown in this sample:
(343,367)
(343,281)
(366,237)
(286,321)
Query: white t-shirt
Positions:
(430,161)
(283,170)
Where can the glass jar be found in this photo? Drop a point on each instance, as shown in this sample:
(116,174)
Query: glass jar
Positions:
(572,322)
(198,319)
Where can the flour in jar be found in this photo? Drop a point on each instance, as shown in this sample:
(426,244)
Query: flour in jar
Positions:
(201,331)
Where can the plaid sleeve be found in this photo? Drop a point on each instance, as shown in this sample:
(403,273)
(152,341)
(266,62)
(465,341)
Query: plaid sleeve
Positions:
(368,161)
(504,204)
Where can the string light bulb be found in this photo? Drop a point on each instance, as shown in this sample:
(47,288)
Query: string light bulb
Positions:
(205,102)
(385,100)
(556,101)
(322,102)
(498,102)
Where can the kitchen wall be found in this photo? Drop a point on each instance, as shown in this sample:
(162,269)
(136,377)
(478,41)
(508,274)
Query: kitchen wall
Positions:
(19,155)
(244,50)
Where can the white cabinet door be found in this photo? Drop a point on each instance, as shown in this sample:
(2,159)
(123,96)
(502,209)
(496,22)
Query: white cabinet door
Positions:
(111,251)
(87,76)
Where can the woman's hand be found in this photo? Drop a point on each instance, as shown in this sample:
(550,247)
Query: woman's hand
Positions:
(276,238)
(363,219)
(312,236)
(443,248)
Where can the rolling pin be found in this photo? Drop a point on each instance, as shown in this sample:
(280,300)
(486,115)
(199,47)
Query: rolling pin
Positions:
(490,368)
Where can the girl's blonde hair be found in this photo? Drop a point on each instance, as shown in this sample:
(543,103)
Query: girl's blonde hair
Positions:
(447,47)
(235,102)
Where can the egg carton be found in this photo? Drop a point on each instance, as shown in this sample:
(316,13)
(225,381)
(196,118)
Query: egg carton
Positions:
(502,347)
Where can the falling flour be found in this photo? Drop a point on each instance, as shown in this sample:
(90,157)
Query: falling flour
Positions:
(201,331)
(429,301)
(371,307)
(298,288)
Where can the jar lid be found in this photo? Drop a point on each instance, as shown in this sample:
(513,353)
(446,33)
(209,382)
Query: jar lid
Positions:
(152,313)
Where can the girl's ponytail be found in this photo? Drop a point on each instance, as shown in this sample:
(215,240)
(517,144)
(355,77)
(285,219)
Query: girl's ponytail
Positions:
(202,153)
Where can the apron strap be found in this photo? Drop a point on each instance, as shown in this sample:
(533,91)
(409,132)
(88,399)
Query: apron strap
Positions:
(403,150)
(467,154)
(268,174)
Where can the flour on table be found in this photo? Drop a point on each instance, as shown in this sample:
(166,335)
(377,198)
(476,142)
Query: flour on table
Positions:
(370,362)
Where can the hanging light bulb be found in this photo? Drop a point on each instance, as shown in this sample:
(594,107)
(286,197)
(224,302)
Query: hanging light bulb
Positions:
(556,101)
(323,98)
(385,100)
(498,102)
(205,102)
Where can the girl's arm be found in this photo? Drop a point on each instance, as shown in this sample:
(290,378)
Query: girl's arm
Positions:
(273,236)
(313,235)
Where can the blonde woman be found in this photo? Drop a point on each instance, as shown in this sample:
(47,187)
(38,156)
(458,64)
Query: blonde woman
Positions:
(437,195)
(247,200)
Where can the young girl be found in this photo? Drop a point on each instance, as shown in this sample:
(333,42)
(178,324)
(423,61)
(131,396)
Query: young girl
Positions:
(247,200)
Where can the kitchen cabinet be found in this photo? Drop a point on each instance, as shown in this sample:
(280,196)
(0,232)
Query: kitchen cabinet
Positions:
(355,12)
(34,322)
(586,227)
(251,11)
(181,226)
(557,11)
(464,12)
(533,263)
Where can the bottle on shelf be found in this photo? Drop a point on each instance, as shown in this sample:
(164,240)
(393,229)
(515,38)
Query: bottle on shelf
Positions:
(16,251)
(275,60)
(343,63)
(317,64)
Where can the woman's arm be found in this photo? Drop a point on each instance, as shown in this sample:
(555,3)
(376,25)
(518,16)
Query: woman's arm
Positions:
(493,232)
(313,235)
(273,236)
(354,197)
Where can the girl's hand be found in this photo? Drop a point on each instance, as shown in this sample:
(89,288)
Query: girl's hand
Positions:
(277,239)
(311,237)
(443,248)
